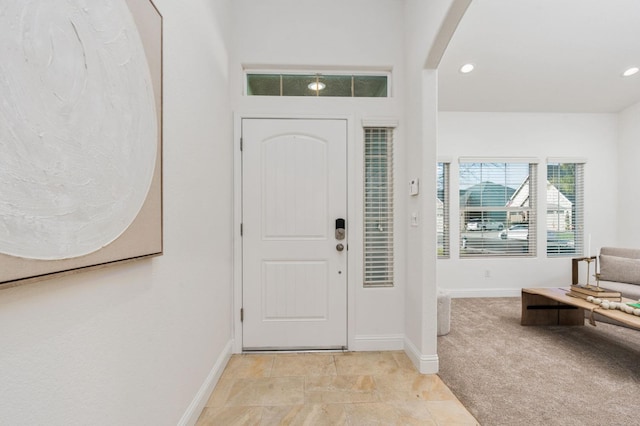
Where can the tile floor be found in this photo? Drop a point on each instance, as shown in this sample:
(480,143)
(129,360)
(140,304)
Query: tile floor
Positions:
(351,388)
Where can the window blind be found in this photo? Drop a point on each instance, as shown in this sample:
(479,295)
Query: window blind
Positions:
(442,210)
(564,220)
(378,207)
(498,208)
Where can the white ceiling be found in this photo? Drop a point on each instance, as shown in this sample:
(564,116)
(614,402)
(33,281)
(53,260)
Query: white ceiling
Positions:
(543,56)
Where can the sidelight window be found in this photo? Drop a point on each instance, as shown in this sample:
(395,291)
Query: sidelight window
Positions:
(378,207)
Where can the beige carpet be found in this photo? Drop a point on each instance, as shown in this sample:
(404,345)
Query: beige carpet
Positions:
(507,374)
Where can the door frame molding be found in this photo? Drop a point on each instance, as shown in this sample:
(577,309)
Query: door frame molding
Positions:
(352,222)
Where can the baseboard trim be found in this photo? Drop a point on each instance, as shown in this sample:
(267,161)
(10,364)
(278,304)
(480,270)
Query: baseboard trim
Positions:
(190,417)
(484,292)
(391,342)
(426,364)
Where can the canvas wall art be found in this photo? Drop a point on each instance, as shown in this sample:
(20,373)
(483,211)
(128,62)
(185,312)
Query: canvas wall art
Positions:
(80,135)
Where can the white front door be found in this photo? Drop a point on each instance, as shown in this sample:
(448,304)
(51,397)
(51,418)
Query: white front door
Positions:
(294,189)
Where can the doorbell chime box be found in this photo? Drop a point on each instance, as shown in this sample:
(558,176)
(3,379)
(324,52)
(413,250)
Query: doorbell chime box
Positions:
(414,186)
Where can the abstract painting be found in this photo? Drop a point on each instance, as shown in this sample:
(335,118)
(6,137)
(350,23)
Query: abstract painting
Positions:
(80,135)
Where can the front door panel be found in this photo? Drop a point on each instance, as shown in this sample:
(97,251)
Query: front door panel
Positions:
(294,278)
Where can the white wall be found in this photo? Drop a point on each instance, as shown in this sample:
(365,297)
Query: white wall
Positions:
(590,136)
(138,343)
(334,35)
(628,206)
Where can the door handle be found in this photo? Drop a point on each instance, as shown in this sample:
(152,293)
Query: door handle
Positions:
(339,246)
(340,229)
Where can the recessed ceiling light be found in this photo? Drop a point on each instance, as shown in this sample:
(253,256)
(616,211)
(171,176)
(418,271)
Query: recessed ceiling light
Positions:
(630,71)
(316,85)
(467,68)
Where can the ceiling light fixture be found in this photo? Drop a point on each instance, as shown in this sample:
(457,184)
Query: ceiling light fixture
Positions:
(630,71)
(316,85)
(467,68)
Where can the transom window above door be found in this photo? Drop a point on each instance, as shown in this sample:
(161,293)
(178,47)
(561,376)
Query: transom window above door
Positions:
(348,85)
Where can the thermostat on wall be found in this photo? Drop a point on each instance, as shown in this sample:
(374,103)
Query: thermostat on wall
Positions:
(413,186)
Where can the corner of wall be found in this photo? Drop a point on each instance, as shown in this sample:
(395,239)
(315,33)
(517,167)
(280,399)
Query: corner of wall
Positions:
(190,417)
(425,363)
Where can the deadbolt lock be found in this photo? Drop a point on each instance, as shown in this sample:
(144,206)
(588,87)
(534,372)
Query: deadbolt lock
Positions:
(340,229)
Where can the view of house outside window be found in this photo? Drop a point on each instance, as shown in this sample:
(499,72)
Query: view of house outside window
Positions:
(497,208)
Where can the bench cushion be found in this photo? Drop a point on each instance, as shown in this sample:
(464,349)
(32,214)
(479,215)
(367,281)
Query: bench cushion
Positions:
(621,252)
(620,269)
